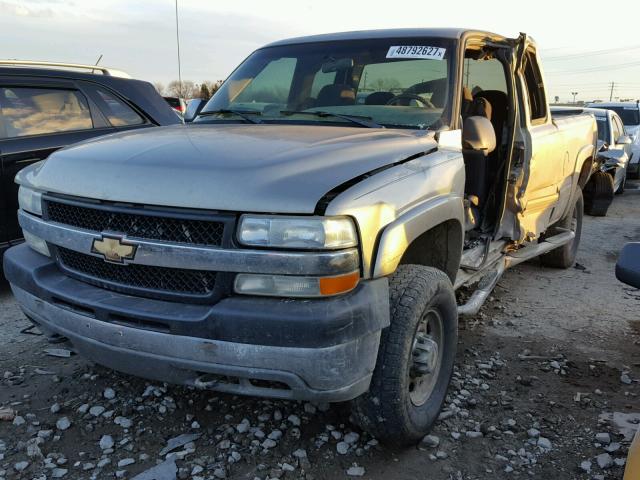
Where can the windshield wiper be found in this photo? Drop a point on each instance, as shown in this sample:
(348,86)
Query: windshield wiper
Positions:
(357,119)
(244,114)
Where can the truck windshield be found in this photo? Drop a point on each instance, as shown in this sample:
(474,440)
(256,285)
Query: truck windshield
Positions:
(395,83)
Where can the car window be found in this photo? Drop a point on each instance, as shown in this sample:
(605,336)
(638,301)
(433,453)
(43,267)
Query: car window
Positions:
(484,75)
(271,85)
(320,80)
(394,82)
(615,130)
(36,111)
(535,88)
(118,113)
(405,77)
(618,129)
(603,128)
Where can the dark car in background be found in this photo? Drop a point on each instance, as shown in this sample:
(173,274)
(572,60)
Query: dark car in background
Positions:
(178,104)
(47,106)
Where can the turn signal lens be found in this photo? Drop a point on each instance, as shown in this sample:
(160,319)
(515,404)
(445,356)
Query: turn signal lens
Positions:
(295,286)
(30,200)
(339,284)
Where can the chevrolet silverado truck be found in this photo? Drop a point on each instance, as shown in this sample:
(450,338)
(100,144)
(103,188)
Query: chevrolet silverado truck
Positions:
(304,237)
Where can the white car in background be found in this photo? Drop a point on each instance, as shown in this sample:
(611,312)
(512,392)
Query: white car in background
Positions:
(629,112)
(614,145)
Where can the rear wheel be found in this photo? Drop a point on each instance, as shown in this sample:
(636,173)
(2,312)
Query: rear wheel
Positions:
(565,256)
(598,194)
(415,359)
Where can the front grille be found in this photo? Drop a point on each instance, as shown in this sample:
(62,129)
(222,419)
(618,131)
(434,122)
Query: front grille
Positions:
(138,225)
(139,277)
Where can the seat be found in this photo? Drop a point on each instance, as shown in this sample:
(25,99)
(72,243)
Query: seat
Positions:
(477,164)
(499,102)
(378,98)
(467,101)
(336,95)
(439,94)
(483,172)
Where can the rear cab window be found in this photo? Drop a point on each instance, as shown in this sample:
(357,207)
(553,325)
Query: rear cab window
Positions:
(29,111)
(535,89)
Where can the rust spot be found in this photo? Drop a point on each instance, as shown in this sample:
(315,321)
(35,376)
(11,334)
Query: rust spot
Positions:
(207,347)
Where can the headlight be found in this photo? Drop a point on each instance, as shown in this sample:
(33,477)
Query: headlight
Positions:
(30,200)
(36,243)
(312,233)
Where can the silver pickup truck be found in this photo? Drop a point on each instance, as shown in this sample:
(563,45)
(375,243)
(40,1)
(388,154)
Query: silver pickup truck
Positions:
(303,239)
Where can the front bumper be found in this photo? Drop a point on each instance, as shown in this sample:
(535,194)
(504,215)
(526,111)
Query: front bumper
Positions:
(322,350)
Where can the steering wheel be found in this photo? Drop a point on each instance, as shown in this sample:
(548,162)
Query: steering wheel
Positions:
(411,96)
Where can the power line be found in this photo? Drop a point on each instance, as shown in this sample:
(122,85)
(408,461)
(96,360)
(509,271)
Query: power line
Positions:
(589,53)
(595,69)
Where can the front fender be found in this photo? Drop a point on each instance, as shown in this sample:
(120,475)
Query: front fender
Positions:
(399,234)
(418,194)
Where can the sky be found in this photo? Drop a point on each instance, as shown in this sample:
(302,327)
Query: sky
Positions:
(583,49)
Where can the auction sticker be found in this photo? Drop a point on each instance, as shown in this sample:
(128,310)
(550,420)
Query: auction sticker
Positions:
(416,51)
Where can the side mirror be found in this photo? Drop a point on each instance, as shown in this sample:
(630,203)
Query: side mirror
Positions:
(478,135)
(194,107)
(628,266)
(601,146)
(624,140)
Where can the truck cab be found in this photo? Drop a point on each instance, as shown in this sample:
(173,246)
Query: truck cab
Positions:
(303,238)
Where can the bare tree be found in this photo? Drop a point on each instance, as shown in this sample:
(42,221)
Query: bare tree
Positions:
(186,89)
(159,86)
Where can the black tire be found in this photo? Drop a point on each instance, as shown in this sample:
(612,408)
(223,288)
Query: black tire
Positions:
(389,410)
(598,194)
(565,256)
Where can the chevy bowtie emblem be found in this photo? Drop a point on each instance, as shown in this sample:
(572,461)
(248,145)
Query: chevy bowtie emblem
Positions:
(113,249)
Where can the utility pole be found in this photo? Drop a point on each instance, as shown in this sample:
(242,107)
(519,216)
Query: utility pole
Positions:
(178,43)
(574,96)
(611,94)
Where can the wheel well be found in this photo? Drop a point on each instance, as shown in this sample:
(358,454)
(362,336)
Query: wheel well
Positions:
(585,172)
(440,247)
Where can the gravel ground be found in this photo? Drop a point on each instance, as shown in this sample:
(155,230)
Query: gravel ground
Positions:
(546,376)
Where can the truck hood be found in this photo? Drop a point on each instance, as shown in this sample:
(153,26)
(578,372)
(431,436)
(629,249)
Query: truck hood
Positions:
(236,167)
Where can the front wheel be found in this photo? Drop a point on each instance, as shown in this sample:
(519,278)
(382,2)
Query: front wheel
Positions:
(565,256)
(415,358)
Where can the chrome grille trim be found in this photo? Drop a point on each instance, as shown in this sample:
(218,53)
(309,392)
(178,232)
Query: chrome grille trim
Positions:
(173,255)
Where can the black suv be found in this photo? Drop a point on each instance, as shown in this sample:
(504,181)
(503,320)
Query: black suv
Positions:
(45,106)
